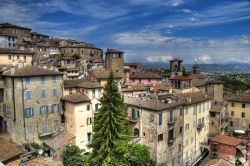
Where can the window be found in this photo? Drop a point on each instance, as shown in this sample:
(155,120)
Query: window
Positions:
(43,79)
(243,105)
(96,107)
(179,160)
(88,137)
(55,108)
(44,127)
(160,118)
(88,107)
(179,147)
(28,95)
(181,111)
(160,137)
(243,114)
(180,129)
(70,90)
(43,93)
(24,57)
(232,113)
(173,162)
(93,93)
(54,79)
(135,114)
(136,132)
(231,123)
(9,57)
(17,57)
(54,92)
(28,112)
(171,134)
(232,104)
(212,114)
(44,109)
(171,119)
(89,121)
(27,80)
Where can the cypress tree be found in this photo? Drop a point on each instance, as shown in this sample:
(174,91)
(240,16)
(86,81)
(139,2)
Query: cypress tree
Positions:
(110,138)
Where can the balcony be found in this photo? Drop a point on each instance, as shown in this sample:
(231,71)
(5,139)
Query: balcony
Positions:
(131,119)
(224,125)
(44,134)
(200,126)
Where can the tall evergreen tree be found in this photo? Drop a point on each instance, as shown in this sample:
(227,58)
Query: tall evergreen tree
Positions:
(110,139)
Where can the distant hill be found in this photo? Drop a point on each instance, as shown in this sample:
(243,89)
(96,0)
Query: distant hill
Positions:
(229,68)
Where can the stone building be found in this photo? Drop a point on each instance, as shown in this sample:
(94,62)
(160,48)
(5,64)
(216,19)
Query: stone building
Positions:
(8,41)
(159,126)
(239,113)
(179,82)
(22,33)
(31,103)
(15,57)
(218,122)
(114,61)
(85,51)
(135,90)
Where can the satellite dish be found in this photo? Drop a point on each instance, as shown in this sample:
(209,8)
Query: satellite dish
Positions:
(40,151)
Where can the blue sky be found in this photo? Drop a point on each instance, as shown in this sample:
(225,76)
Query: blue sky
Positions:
(198,31)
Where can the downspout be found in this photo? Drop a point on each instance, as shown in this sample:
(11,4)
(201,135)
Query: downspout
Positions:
(14,101)
(24,125)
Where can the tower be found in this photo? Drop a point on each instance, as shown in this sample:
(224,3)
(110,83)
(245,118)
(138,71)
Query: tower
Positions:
(114,61)
(176,67)
(196,69)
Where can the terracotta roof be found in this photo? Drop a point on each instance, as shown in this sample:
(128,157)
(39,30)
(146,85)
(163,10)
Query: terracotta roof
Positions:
(60,140)
(240,98)
(76,97)
(8,25)
(227,140)
(218,162)
(15,51)
(43,161)
(144,75)
(132,88)
(8,150)
(160,87)
(83,83)
(196,97)
(150,104)
(30,71)
(182,78)
(216,108)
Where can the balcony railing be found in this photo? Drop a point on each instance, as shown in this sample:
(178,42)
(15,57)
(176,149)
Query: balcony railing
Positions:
(200,126)
(171,140)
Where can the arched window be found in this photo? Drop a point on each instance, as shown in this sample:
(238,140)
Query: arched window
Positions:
(136,132)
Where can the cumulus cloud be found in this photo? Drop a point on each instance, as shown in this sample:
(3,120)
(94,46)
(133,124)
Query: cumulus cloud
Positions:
(164,58)
(203,59)
(186,11)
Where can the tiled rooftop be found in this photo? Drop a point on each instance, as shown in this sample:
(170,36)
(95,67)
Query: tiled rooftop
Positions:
(8,150)
(76,97)
(227,140)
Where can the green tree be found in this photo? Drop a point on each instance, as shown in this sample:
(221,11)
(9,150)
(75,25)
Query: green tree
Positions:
(71,156)
(76,56)
(139,155)
(110,139)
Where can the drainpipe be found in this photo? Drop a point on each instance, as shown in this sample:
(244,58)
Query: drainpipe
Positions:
(24,125)
(14,101)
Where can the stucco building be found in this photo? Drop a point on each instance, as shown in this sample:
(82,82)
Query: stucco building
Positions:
(31,103)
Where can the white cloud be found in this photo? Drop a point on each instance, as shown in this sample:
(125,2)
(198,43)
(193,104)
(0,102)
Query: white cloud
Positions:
(176,2)
(186,11)
(140,38)
(165,58)
(203,59)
